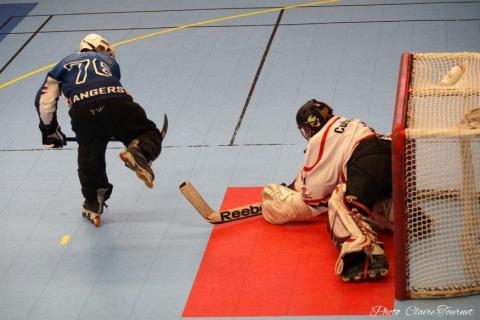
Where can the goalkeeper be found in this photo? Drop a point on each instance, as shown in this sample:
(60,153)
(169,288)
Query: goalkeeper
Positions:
(347,171)
(100,108)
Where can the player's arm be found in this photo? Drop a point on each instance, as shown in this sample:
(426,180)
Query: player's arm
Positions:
(46,105)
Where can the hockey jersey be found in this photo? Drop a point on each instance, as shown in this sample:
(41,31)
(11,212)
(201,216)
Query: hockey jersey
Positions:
(326,157)
(82,77)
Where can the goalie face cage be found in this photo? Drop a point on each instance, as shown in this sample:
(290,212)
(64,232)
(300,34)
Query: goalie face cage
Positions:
(436,177)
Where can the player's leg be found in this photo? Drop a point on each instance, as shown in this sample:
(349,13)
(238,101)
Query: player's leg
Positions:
(369,181)
(93,178)
(128,122)
(361,255)
(281,205)
(369,173)
(92,143)
(350,211)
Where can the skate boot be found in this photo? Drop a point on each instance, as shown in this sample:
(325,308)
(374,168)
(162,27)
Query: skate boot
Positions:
(93,208)
(360,266)
(136,161)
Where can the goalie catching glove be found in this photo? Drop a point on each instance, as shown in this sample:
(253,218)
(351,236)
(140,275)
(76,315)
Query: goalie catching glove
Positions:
(52,139)
(281,204)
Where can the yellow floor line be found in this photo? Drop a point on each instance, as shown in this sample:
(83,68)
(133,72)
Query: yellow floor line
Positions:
(195,24)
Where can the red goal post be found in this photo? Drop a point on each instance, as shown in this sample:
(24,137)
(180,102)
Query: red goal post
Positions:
(398,172)
(436,175)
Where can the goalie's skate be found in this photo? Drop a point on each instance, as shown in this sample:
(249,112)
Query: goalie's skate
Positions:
(358,266)
(136,161)
(93,209)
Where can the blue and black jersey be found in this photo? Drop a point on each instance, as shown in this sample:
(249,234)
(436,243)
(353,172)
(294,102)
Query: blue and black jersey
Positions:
(83,78)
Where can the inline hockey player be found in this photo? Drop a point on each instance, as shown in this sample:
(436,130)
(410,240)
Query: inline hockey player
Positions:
(100,108)
(347,170)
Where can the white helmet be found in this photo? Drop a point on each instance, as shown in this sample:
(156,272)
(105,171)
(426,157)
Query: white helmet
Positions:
(97,43)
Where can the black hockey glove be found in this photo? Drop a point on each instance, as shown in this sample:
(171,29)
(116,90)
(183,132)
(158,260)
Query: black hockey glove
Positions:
(53,139)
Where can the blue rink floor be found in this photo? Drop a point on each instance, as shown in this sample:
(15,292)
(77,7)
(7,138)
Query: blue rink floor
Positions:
(231,106)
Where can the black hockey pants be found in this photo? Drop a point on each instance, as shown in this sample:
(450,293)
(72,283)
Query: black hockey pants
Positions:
(95,124)
(369,171)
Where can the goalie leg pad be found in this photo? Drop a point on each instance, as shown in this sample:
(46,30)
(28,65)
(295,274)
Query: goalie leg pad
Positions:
(349,230)
(281,205)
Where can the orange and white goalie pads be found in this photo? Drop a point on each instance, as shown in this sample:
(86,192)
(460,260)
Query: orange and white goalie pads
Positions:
(281,205)
(349,229)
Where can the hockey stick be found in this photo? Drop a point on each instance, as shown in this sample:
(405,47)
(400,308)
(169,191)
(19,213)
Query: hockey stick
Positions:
(74,139)
(163,132)
(165,126)
(216,217)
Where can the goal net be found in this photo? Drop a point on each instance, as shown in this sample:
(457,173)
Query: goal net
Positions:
(436,175)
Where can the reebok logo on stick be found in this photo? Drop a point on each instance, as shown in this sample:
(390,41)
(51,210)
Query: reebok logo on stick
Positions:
(215,217)
(240,213)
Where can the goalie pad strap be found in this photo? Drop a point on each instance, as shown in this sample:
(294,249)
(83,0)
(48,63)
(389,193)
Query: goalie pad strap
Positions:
(352,200)
(281,205)
(348,228)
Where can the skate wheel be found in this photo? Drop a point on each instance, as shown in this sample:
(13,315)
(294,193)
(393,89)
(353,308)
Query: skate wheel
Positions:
(128,160)
(379,274)
(145,177)
(142,174)
(96,221)
(354,278)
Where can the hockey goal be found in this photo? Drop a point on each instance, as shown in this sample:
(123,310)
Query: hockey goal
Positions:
(436,175)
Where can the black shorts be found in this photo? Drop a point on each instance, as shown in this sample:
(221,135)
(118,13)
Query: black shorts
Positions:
(120,118)
(369,171)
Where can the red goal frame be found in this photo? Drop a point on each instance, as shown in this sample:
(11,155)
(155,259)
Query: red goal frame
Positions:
(398,176)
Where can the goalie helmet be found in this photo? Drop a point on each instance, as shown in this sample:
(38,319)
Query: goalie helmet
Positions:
(312,116)
(97,43)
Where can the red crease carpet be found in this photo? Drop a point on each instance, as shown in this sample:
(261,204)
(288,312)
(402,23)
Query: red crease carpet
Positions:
(253,268)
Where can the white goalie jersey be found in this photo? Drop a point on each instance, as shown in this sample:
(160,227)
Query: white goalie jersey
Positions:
(326,158)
